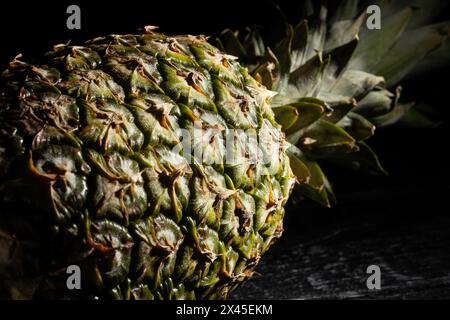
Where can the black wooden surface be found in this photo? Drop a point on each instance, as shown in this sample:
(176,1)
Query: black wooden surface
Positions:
(400,223)
(325,254)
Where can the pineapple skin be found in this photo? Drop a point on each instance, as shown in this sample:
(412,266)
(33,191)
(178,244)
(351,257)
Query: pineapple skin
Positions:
(90,174)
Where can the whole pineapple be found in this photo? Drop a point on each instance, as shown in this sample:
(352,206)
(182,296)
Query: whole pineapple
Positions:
(96,170)
(91,156)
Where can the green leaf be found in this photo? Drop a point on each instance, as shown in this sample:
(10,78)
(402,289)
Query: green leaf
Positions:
(316,101)
(356,84)
(323,134)
(304,81)
(231,43)
(253,43)
(218,43)
(315,188)
(299,168)
(433,61)
(376,103)
(268,70)
(308,113)
(364,160)
(357,126)
(286,116)
(340,106)
(342,32)
(317,34)
(329,189)
(279,25)
(283,53)
(410,49)
(376,43)
(264,75)
(398,112)
(315,185)
(299,43)
(424,10)
(346,10)
(340,57)
(317,71)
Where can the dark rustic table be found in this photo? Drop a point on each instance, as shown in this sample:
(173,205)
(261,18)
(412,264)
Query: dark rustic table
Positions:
(400,223)
(324,253)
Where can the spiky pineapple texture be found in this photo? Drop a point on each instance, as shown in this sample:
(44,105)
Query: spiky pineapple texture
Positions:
(90,176)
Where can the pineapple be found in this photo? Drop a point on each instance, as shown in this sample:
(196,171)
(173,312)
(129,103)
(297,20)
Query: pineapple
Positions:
(100,168)
(95,156)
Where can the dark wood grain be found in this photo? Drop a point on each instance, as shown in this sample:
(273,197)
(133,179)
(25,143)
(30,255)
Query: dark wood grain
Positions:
(324,253)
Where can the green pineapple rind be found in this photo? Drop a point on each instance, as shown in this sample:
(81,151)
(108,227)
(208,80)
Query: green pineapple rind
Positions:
(89,175)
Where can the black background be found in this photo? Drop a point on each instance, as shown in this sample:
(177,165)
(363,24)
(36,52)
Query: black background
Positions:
(409,209)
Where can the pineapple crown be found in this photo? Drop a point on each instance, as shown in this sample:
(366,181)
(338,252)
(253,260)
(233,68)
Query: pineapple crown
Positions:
(337,81)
